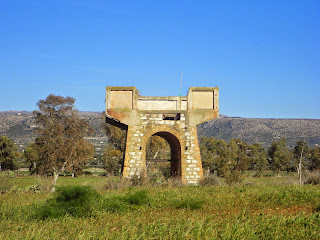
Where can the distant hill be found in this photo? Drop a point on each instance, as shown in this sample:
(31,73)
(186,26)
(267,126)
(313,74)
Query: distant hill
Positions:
(263,130)
(19,126)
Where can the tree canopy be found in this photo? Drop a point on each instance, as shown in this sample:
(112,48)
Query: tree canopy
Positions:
(60,143)
(279,155)
(8,154)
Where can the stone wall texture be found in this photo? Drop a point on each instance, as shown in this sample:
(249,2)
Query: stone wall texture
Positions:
(176,122)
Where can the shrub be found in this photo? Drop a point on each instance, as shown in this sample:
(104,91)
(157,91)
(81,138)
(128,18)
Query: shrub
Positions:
(138,198)
(88,173)
(138,181)
(7,181)
(313,178)
(116,183)
(77,201)
(174,182)
(115,204)
(127,202)
(210,180)
(234,177)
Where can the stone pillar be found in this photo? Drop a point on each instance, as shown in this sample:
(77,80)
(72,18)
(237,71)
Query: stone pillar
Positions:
(134,165)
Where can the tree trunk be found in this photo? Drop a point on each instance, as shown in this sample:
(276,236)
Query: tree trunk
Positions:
(300,167)
(54,181)
(156,154)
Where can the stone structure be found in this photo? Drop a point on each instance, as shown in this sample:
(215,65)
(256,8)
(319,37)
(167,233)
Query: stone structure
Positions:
(173,118)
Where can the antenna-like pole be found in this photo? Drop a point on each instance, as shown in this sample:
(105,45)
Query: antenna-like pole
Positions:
(181,83)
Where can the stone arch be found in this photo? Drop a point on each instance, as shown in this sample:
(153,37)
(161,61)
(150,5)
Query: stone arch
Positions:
(176,142)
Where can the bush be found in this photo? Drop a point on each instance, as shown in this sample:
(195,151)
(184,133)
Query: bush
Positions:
(127,202)
(234,177)
(88,173)
(76,201)
(210,180)
(7,181)
(138,181)
(116,183)
(313,178)
(138,198)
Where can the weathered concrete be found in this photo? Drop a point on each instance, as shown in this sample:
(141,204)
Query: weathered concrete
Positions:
(173,118)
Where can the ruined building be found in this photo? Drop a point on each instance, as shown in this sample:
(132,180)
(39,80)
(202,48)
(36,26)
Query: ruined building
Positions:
(173,118)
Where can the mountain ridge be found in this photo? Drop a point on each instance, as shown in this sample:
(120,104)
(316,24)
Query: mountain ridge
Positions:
(19,125)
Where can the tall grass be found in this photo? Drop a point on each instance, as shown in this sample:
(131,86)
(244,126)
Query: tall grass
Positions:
(250,210)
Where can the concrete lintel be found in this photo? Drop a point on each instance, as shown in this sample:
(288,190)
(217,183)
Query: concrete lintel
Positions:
(117,88)
(172,98)
(203,89)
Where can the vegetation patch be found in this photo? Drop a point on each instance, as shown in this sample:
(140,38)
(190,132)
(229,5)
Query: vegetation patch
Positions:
(76,201)
(138,198)
(313,178)
(210,180)
(191,203)
(262,210)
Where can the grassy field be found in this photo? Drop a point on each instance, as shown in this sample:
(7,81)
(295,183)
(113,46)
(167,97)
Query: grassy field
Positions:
(259,208)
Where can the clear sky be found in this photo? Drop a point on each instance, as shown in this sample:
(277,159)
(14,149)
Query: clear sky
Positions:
(263,55)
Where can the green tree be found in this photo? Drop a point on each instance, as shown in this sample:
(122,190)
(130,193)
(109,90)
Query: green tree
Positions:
(113,159)
(257,158)
(300,154)
(233,168)
(209,155)
(60,142)
(158,148)
(242,160)
(315,159)
(232,159)
(8,154)
(113,152)
(224,160)
(279,155)
(31,156)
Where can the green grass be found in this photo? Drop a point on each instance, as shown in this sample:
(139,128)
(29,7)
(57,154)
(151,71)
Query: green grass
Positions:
(259,208)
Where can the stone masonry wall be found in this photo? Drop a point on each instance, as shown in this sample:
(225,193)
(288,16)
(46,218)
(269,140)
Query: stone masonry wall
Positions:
(152,123)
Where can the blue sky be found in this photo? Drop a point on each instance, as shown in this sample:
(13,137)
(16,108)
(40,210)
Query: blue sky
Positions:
(263,55)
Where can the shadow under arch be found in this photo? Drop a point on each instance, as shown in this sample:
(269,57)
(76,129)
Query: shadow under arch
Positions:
(175,142)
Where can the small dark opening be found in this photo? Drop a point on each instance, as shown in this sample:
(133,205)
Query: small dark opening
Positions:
(170,116)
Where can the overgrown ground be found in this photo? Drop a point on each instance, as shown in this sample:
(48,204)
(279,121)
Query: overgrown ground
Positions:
(259,208)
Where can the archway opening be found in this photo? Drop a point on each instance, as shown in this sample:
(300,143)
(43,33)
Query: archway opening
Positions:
(163,155)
